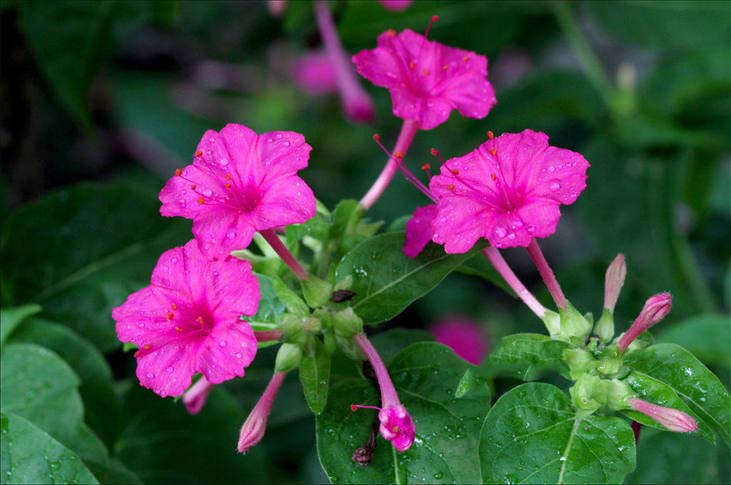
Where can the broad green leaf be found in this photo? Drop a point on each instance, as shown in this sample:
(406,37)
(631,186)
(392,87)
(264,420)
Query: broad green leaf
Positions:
(393,341)
(656,392)
(315,375)
(29,455)
(163,444)
(527,356)
(478,265)
(270,306)
(445,450)
(289,298)
(669,25)
(532,435)
(97,245)
(38,385)
(708,337)
(101,406)
(690,379)
(677,458)
(68,39)
(386,281)
(10,318)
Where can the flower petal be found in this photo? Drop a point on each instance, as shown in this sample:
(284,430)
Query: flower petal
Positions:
(288,200)
(232,288)
(166,370)
(230,347)
(419,230)
(459,223)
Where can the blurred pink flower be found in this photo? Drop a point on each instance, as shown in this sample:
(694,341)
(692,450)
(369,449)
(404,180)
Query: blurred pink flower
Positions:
(314,73)
(427,80)
(240,183)
(189,320)
(396,5)
(463,336)
(508,191)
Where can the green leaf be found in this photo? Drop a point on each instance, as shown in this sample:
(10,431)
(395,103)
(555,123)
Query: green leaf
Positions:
(37,385)
(162,443)
(651,390)
(445,450)
(666,25)
(705,336)
(80,251)
(386,281)
(289,298)
(10,318)
(691,380)
(393,341)
(270,306)
(478,265)
(527,356)
(315,375)
(68,40)
(532,435)
(29,455)
(101,405)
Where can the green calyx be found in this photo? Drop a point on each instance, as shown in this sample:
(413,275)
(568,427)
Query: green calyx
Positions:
(316,291)
(289,357)
(604,328)
(568,325)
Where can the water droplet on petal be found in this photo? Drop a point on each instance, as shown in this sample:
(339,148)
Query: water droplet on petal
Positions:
(554,186)
(222,343)
(500,231)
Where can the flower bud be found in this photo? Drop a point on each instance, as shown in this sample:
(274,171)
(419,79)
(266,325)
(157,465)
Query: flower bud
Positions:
(552,321)
(613,282)
(656,308)
(316,291)
(574,325)
(579,361)
(288,357)
(618,394)
(604,328)
(672,419)
(195,398)
(346,323)
(588,394)
(255,425)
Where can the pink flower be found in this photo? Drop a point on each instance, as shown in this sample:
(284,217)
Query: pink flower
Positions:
(427,80)
(396,423)
(195,398)
(463,336)
(656,308)
(314,73)
(188,320)
(672,419)
(419,230)
(240,183)
(508,191)
(396,5)
(253,429)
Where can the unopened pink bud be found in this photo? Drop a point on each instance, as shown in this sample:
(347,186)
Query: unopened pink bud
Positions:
(672,419)
(656,308)
(613,282)
(396,5)
(195,397)
(255,425)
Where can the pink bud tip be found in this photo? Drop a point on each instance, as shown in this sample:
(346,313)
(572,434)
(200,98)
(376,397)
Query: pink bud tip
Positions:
(359,108)
(672,419)
(397,427)
(253,429)
(656,308)
(613,282)
(195,398)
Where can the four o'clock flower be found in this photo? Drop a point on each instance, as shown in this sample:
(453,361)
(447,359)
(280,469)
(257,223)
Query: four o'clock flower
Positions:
(253,429)
(240,183)
(195,398)
(314,73)
(672,419)
(188,320)
(463,336)
(656,308)
(396,423)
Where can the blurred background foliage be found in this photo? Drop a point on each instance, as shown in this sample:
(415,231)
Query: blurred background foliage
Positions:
(103,100)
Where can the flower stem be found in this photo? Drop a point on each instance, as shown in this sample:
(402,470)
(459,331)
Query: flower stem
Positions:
(388,392)
(271,237)
(406,136)
(267,335)
(496,259)
(547,274)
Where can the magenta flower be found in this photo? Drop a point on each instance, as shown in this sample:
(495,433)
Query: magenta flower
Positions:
(396,5)
(195,398)
(656,308)
(463,336)
(508,191)
(253,429)
(427,80)
(672,419)
(240,183)
(189,320)
(419,230)
(396,423)
(315,73)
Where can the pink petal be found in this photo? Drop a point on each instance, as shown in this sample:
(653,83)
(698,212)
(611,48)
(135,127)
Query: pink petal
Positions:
(280,154)
(314,73)
(166,370)
(220,232)
(561,175)
(419,230)
(230,347)
(232,288)
(459,223)
(142,316)
(540,217)
(182,270)
(288,200)
(227,152)
(191,193)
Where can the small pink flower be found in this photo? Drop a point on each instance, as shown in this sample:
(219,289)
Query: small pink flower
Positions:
(315,73)
(195,398)
(253,429)
(240,183)
(427,80)
(656,308)
(396,5)
(508,191)
(188,320)
(396,423)
(672,419)
(463,336)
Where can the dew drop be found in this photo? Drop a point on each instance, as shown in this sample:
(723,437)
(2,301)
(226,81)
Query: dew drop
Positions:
(500,231)
(222,343)
(169,370)
(223,161)
(554,186)
(231,234)
(208,192)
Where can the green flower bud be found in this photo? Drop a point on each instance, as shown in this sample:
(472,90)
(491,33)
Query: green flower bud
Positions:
(316,291)
(604,328)
(293,330)
(574,326)
(618,394)
(552,321)
(311,325)
(288,357)
(346,323)
(588,394)
(331,344)
(579,362)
